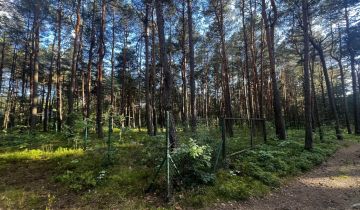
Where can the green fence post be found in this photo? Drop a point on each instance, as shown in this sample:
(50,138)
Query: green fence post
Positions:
(109,136)
(251,133)
(168,156)
(85,133)
(223,137)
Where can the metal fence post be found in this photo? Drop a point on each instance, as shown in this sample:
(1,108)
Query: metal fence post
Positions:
(168,155)
(223,137)
(109,136)
(251,133)
(85,133)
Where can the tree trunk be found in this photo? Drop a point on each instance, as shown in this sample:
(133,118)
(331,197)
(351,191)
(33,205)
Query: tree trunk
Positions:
(49,86)
(319,49)
(149,108)
(247,71)
(342,77)
(307,88)
(99,89)
(192,66)
(224,69)
(2,59)
(353,76)
(58,69)
(153,72)
(168,77)
(72,91)
(270,30)
(315,104)
(261,94)
(35,73)
(10,94)
(123,77)
(112,62)
(89,64)
(184,109)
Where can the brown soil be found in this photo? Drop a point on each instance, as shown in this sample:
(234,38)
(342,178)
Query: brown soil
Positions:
(333,185)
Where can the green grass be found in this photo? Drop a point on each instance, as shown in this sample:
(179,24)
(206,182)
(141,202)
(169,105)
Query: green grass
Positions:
(37,154)
(52,170)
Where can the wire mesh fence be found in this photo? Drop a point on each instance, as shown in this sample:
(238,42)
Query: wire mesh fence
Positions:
(238,135)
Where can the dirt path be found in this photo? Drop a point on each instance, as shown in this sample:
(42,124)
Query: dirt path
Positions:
(333,185)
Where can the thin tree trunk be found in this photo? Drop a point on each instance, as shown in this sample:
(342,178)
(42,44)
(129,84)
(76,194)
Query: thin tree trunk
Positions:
(342,78)
(149,108)
(261,95)
(184,109)
(247,71)
(329,87)
(49,86)
(89,64)
(10,94)
(224,68)
(153,72)
(270,30)
(112,61)
(123,75)
(315,104)
(307,88)
(192,66)
(168,77)
(356,113)
(99,89)
(72,91)
(35,74)
(2,59)
(58,69)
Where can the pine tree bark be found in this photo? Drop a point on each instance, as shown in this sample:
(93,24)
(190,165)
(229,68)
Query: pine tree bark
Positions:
(342,78)
(314,99)
(35,73)
(153,72)
(192,66)
(356,113)
(89,64)
(72,91)
(183,72)
(149,107)
(168,77)
(227,111)
(2,59)
(320,51)
(49,87)
(246,64)
(307,88)
(112,74)
(58,69)
(270,36)
(99,89)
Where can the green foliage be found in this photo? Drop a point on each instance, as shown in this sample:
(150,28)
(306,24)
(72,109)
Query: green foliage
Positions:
(78,181)
(37,154)
(194,163)
(252,173)
(232,187)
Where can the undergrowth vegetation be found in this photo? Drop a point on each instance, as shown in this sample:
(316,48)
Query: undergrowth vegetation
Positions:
(54,170)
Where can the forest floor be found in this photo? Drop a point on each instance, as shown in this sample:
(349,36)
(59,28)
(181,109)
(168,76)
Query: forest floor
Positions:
(52,171)
(333,185)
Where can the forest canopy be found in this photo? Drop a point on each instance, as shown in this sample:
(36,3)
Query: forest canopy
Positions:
(294,63)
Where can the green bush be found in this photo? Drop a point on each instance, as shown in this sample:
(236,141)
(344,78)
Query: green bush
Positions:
(194,163)
(78,181)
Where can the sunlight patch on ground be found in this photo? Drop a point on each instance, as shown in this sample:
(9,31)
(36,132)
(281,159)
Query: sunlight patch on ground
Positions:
(339,182)
(37,154)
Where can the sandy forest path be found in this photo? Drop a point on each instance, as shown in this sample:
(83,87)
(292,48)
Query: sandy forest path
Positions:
(333,185)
